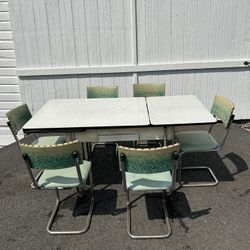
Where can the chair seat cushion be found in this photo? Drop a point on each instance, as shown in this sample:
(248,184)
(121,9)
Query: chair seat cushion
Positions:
(49,140)
(144,182)
(196,141)
(64,178)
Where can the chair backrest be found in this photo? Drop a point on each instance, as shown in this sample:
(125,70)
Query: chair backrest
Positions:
(222,109)
(52,156)
(149,89)
(18,117)
(102,91)
(149,160)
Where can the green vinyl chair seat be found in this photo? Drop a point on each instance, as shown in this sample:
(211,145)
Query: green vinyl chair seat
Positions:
(196,141)
(49,140)
(147,182)
(64,178)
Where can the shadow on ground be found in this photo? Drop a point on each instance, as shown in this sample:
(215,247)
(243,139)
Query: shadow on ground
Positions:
(201,218)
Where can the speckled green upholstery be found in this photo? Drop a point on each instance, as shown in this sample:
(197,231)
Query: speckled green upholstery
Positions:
(52,156)
(148,169)
(149,160)
(18,117)
(65,178)
(49,140)
(102,92)
(222,108)
(150,89)
(193,141)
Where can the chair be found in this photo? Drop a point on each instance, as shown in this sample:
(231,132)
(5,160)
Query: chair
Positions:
(20,115)
(149,89)
(102,91)
(203,141)
(151,169)
(63,168)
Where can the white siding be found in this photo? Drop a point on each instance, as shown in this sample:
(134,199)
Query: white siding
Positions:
(69,33)
(9,86)
(195,47)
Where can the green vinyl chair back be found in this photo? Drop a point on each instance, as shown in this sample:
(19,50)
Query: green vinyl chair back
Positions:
(102,92)
(222,109)
(52,156)
(18,117)
(150,89)
(149,160)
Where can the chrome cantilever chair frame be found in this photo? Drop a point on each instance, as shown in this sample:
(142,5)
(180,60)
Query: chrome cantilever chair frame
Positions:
(60,201)
(57,206)
(164,193)
(14,134)
(220,145)
(166,219)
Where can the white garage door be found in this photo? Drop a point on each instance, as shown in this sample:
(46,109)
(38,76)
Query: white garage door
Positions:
(9,87)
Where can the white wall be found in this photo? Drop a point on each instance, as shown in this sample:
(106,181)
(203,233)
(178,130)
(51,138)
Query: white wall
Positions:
(9,88)
(194,46)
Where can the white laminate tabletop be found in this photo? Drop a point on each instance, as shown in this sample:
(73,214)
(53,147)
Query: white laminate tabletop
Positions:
(89,113)
(178,110)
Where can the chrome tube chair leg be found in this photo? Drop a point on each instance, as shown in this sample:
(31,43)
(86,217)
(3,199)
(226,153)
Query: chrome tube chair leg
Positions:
(57,206)
(129,229)
(200,184)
